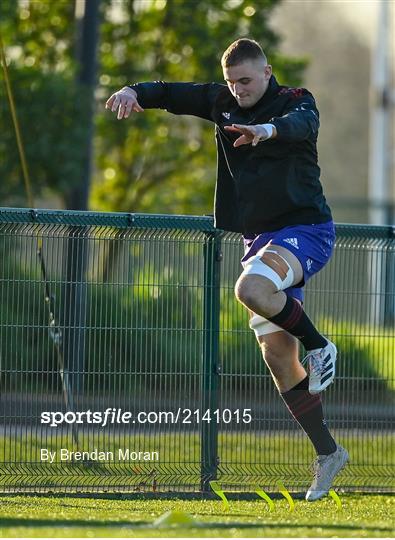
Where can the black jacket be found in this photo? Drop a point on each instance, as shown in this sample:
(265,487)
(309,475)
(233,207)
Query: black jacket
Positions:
(263,188)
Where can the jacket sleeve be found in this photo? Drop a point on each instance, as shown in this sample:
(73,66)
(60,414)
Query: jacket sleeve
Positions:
(300,121)
(178,98)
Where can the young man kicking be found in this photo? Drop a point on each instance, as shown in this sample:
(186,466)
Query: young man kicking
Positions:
(268,188)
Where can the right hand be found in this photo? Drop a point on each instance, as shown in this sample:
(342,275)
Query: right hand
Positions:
(125,101)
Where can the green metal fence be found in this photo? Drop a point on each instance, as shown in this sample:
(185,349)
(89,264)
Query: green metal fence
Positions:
(128,366)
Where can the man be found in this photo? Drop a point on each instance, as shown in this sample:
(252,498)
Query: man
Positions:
(268,189)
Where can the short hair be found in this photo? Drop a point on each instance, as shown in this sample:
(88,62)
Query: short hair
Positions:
(241,50)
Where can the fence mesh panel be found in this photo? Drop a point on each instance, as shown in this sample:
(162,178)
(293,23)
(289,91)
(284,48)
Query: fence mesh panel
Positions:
(104,316)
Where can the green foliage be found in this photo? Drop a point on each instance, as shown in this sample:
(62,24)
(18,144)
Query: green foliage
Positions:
(365,353)
(152,322)
(153,162)
(39,34)
(51,112)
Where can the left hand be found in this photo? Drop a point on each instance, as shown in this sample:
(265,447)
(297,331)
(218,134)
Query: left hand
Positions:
(250,134)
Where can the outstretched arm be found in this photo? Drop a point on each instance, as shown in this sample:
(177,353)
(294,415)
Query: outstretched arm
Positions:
(177,98)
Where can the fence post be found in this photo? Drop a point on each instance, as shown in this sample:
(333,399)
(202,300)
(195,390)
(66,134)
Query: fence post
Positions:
(389,296)
(210,361)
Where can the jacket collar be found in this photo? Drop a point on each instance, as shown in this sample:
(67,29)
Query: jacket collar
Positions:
(272,89)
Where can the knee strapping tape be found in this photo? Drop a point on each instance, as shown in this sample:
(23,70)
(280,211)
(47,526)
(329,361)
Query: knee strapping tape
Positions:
(262,326)
(255,265)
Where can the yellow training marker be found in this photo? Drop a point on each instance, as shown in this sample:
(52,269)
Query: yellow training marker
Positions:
(218,491)
(283,490)
(266,497)
(336,498)
(175,518)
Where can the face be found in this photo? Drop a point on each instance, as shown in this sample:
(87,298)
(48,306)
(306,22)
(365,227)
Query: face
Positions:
(248,81)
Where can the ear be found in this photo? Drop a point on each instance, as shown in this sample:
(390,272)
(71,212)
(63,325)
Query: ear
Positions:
(268,70)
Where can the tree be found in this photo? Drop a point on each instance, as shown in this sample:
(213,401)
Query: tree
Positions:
(52,113)
(154,162)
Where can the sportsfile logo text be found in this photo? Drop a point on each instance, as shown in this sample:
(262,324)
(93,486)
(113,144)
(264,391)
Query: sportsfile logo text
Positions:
(116,416)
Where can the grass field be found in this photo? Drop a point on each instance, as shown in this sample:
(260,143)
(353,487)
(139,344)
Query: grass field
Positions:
(361,516)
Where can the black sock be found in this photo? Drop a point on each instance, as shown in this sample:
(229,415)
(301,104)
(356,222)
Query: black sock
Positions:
(294,320)
(307,411)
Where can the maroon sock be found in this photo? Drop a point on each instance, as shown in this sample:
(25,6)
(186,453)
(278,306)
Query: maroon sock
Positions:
(294,320)
(307,411)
